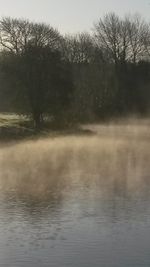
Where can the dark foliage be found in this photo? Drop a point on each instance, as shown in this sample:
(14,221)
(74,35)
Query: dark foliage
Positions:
(75,78)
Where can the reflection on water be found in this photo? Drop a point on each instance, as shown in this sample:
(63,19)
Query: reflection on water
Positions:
(77,201)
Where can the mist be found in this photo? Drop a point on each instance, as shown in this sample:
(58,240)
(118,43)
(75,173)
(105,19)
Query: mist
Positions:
(114,152)
(84,193)
(75,144)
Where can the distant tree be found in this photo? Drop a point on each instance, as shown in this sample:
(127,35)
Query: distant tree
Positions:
(16,34)
(78,48)
(138,34)
(110,35)
(124,39)
(96,76)
(39,82)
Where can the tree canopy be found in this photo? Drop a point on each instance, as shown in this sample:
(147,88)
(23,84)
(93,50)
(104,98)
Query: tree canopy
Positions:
(80,77)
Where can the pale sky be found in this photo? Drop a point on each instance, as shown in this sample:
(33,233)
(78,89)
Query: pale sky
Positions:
(70,16)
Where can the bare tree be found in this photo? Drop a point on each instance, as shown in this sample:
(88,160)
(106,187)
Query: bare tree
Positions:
(138,32)
(16,34)
(146,42)
(108,35)
(124,39)
(78,48)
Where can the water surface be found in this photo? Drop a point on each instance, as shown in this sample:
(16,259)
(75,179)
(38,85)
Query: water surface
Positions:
(77,201)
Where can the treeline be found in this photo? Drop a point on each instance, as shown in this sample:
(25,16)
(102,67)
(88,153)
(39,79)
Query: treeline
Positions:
(75,78)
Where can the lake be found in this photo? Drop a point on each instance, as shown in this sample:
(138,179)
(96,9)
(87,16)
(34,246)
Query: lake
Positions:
(77,201)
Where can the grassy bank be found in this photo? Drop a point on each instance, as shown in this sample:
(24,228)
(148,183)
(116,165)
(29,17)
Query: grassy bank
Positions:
(14,127)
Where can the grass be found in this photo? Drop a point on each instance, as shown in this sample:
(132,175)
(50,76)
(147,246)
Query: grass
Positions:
(11,120)
(15,127)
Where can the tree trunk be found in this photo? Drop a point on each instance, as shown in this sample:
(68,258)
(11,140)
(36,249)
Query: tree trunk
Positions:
(37,120)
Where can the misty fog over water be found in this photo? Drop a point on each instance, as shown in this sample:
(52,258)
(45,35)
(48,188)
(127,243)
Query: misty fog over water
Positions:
(77,200)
